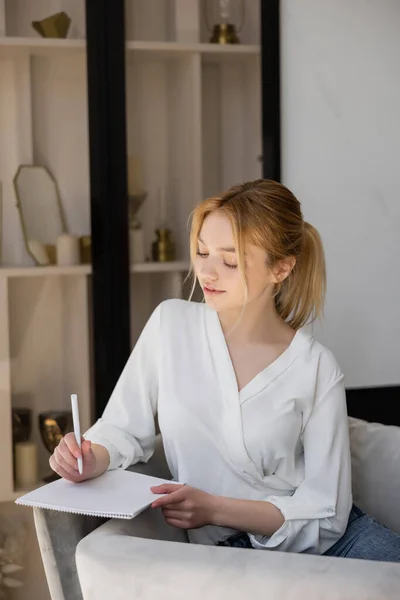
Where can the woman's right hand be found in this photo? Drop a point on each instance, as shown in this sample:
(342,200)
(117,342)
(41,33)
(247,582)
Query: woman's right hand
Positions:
(64,459)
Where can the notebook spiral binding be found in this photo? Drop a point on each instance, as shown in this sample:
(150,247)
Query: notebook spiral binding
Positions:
(89,513)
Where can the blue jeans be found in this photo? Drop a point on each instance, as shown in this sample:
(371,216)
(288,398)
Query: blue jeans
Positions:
(364,538)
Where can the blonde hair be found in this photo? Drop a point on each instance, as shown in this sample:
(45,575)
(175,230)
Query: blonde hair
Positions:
(265,213)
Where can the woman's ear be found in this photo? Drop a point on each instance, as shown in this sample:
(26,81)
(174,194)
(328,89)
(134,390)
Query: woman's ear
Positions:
(283,268)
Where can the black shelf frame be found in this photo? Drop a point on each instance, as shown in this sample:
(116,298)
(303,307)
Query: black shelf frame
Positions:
(105,31)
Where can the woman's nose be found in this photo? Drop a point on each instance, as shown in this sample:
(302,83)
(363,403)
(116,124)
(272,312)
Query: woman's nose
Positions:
(208,270)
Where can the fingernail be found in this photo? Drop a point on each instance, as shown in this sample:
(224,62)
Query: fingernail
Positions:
(78,454)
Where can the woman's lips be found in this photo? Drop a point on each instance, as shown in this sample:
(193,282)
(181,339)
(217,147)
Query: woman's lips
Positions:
(212,291)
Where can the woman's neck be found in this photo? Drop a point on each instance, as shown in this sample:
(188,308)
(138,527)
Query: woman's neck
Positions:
(257,323)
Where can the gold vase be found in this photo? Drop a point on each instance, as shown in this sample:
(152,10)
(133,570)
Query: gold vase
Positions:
(51,253)
(163,248)
(85,249)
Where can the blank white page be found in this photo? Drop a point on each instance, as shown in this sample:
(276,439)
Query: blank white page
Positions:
(120,494)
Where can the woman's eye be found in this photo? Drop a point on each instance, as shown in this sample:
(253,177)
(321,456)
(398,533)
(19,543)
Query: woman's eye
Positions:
(204,255)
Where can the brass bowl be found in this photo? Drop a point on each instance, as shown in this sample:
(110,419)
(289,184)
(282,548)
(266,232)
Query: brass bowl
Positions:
(54,26)
(53,425)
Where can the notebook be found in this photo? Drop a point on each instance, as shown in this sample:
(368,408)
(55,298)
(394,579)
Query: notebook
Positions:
(116,494)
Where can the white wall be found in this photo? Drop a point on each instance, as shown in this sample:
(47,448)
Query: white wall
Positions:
(341,157)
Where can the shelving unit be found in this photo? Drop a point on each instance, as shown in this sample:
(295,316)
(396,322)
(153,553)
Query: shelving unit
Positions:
(44,350)
(45,340)
(193,118)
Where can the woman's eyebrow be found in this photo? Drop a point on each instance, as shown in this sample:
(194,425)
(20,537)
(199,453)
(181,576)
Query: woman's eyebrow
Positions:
(219,249)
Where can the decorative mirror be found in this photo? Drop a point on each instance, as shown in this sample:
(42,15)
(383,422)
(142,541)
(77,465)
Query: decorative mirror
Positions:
(40,210)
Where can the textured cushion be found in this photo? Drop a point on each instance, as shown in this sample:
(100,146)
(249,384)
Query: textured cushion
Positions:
(375,453)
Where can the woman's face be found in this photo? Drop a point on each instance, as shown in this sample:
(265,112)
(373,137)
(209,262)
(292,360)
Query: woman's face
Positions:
(216,267)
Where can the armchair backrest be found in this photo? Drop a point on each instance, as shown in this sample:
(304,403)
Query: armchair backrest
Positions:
(375,455)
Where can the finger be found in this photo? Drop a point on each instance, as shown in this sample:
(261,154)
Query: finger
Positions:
(173,498)
(56,467)
(178,524)
(70,440)
(71,469)
(64,451)
(86,448)
(181,506)
(179,515)
(166,488)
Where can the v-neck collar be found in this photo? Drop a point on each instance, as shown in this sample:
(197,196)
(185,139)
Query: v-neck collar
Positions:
(231,422)
(264,377)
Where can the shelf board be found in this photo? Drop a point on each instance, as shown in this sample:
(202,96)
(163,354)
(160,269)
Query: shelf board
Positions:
(46,271)
(213,52)
(11,46)
(158,267)
(222,53)
(58,271)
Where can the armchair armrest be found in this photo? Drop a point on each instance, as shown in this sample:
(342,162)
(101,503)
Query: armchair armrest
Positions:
(59,533)
(113,563)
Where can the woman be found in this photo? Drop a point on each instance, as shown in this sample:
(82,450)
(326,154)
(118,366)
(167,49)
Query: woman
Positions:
(251,408)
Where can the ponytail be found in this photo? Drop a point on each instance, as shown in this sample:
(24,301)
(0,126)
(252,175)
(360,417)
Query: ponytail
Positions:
(300,299)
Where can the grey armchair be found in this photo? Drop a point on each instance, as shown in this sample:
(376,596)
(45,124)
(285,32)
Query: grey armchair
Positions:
(95,559)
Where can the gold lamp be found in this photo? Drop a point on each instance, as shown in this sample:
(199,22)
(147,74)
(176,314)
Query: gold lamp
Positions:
(223,13)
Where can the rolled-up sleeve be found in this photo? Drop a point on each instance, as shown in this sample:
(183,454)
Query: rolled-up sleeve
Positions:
(127,427)
(316,515)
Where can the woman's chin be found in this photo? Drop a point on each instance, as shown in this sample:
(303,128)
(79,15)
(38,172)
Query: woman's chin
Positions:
(216,302)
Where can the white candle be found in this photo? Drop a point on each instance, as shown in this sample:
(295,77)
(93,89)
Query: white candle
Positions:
(136,246)
(68,249)
(26,464)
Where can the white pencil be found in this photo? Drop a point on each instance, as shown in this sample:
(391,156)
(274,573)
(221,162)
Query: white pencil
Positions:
(77,427)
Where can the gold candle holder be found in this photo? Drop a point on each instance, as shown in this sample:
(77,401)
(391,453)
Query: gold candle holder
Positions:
(221,14)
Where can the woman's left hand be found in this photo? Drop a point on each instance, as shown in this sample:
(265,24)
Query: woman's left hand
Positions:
(184,506)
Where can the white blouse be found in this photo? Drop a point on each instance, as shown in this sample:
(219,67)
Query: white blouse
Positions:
(283,438)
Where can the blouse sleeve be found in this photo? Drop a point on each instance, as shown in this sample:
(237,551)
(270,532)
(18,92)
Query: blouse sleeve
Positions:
(316,515)
(126,427)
